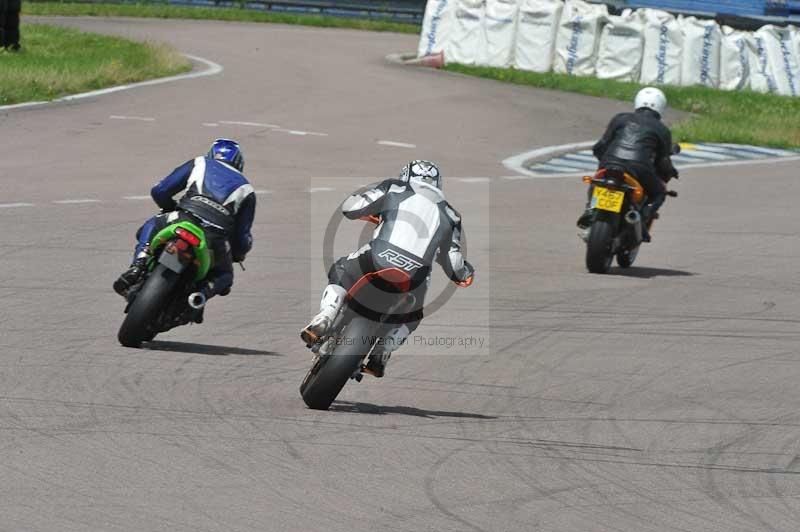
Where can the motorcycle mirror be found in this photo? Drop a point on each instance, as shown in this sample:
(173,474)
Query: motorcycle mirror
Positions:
(676,149)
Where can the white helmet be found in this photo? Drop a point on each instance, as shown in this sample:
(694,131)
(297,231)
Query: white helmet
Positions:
(425,171)
(651,98)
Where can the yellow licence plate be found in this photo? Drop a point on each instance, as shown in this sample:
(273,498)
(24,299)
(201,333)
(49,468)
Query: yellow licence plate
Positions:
(607,200)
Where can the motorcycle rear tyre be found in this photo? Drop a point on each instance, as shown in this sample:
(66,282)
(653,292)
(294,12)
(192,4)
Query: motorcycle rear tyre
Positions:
(330,373)
(154,295)
(598,247)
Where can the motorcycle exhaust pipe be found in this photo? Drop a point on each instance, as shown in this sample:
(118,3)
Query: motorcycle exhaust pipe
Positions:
(197,300)
(635,219)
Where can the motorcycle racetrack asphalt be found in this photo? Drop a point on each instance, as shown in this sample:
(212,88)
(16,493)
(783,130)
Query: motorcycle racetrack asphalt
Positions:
(659,398)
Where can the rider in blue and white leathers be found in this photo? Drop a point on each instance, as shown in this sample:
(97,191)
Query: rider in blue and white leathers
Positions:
(216,196)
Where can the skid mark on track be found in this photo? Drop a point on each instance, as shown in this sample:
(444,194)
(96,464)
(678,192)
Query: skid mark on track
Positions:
(430,492)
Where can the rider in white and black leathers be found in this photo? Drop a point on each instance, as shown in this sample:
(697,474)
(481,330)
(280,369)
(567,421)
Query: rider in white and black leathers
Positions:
(417,227)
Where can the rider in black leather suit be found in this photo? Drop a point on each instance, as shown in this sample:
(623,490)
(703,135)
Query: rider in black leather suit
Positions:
(640,144)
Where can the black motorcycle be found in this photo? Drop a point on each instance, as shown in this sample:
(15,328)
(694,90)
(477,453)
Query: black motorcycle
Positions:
(619,215)
(375,305)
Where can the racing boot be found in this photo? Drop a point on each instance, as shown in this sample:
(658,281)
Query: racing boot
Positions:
(132,275)
(585,220)
(376,364)
(332,300)
(645,233)
(198,300)
(649,215)
(584,224)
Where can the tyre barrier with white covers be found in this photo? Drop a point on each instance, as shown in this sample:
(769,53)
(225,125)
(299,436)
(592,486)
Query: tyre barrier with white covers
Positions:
(579,38)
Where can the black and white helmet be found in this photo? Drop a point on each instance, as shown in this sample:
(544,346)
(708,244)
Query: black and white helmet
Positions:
(424,171)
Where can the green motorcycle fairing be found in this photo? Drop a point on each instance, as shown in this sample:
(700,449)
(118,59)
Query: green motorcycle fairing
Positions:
(202,253)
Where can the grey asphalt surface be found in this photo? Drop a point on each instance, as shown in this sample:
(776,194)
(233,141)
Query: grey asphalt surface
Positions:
(656,399)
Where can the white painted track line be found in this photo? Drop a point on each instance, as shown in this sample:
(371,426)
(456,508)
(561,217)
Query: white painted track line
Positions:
(707,159)
(515,163)
(261,192)
(556,168)
(211,69)
(250,124)
(692,155)
(757,149)
(14,205)
(396,144)
(301,133)
(136,198)
(312,190)
(472,179)
(738,162)
(137,118)
(76,201)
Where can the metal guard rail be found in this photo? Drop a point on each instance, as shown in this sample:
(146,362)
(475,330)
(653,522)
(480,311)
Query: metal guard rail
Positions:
(396,11)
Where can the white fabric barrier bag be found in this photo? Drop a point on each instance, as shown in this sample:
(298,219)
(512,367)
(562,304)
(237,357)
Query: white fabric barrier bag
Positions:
(663,45)
(621,46)
(701,52)
(468,40)
(734,59)
(578,37)
(761,77)
(795,36)
(537,25)
(501,25)
(782,59)
(437,26)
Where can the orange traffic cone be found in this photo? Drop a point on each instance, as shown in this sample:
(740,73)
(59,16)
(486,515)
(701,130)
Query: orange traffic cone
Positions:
(433,60)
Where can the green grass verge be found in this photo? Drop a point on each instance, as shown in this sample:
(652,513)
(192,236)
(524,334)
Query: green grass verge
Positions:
(718,116)
(55,62)
(155,10)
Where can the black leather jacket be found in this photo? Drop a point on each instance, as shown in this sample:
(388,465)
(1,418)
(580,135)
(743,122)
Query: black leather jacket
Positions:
(640,138)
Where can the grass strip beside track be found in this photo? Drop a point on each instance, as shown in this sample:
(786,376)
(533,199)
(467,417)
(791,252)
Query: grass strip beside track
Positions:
(718,116)
(55,62)
(155,10)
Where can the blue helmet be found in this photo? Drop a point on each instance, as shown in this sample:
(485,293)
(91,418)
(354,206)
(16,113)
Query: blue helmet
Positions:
(227,151)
